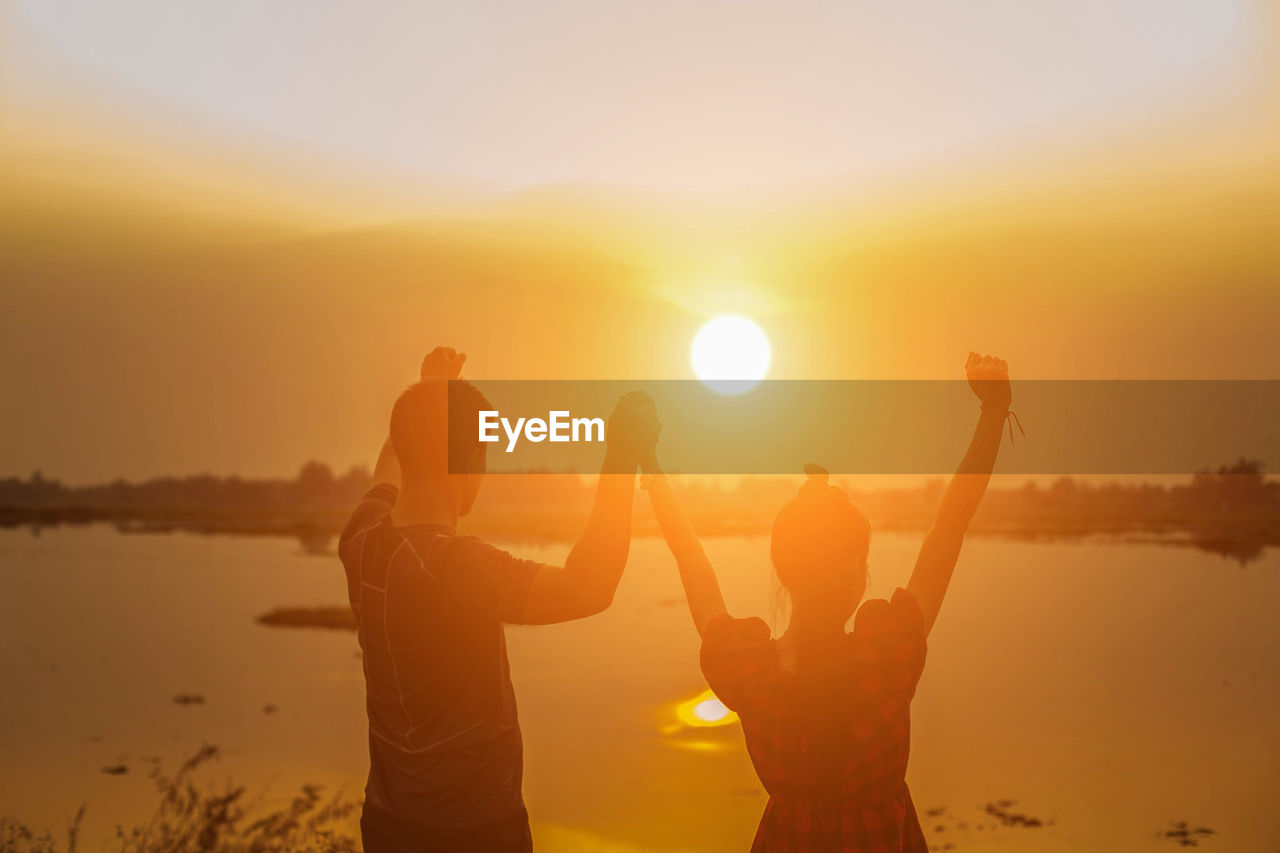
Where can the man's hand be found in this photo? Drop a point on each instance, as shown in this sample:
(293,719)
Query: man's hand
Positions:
(989,378)
(633,428)
(442,364)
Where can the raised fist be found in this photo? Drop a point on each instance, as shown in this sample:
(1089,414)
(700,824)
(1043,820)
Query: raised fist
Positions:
(989,378)
(442,364)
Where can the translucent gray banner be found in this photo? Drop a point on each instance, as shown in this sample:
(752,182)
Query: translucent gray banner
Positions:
(1080,427)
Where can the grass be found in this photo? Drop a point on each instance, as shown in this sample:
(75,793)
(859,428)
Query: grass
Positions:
(188,819)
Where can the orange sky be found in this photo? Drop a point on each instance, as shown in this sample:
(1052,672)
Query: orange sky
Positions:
(174,303)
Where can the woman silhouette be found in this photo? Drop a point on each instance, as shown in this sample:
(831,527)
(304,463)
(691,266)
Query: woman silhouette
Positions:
(825,713)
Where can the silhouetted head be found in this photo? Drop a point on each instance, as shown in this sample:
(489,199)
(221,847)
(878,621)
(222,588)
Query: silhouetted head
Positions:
(819,548)
(419,433)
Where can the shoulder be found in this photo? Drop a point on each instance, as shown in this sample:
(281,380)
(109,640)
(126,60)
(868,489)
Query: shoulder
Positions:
(888,634)
(739,660)
(899,613)
(381,497)
(724,632)
(476,552)
(372,509)
(492,574)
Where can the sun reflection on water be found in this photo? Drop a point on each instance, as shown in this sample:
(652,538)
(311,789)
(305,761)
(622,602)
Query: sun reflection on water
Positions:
(705,710)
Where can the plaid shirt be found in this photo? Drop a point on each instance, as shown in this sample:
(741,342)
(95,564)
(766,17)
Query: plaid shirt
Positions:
(831,750)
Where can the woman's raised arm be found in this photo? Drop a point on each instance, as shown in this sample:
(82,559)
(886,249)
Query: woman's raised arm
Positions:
(989,378)
(701,587)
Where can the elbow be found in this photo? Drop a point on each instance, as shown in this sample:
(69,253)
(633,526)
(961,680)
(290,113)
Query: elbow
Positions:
(597,601)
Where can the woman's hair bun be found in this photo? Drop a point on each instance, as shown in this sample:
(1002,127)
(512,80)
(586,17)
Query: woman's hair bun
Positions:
(816,474)
(816,485)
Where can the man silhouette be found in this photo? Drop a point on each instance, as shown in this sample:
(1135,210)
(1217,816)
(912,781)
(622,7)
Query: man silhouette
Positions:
(445,753)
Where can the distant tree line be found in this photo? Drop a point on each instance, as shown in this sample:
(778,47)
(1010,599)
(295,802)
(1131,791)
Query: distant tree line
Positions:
(1234,510)
(314,487)
(1240,487)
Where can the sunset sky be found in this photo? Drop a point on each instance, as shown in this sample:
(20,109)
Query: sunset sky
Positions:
(663,95)
(229,234)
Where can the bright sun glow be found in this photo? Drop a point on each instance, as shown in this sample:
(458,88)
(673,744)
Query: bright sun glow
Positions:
(710,711)
(705,710)
(730,354)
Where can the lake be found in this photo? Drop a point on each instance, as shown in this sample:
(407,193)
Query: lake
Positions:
(1108,689)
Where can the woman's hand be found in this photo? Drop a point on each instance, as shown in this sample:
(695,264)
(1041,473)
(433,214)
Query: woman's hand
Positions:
(632,434)
(989,378)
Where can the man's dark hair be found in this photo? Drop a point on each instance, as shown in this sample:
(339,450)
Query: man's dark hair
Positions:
(418,429)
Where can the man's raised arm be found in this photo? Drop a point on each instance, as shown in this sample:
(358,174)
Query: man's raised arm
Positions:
(438,367)
(586,583)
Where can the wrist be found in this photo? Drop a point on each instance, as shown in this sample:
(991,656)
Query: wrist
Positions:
(995,416)
(649,463)
(620,461)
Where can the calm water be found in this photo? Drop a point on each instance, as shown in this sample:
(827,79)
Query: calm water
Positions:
(1109,688)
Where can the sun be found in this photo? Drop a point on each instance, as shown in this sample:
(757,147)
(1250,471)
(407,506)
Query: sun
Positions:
(730,354)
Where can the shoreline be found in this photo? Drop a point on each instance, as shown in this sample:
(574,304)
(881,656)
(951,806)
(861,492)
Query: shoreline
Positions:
(1240,536)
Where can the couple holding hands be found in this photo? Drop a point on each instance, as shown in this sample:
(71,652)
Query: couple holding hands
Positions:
(825,712)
